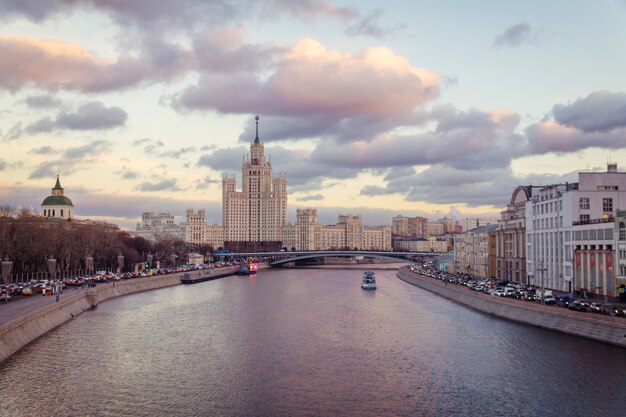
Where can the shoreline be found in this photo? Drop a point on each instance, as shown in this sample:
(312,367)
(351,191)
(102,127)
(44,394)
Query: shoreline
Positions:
(21,331)
(609,330)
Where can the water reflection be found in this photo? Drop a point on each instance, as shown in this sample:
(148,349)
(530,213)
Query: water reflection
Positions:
(306,343)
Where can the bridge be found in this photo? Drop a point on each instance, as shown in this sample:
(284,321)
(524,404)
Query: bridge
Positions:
(278,259)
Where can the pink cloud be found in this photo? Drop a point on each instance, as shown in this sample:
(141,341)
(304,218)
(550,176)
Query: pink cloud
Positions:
(54,65)
(311,80)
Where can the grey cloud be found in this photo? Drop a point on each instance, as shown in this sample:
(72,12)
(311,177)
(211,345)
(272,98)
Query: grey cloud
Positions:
(368,26)
(312,197)
(177,154)
(513,36)
(14,132)
(93,115)
(164,185)
(204,183)
(600,111)
(94,148)
(464,140)
(129,175)
(440,184)
(49,169)
(44,150)
(3,165)
(149,145)
(72,160)
(90,116)
(43,101)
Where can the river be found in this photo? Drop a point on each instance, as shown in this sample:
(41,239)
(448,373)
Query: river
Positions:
(306,342)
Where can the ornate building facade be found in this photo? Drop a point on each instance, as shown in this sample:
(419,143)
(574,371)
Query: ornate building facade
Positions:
(258,212)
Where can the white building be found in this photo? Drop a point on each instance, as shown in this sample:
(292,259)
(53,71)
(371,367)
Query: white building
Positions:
(57,205)
(565,219)
(258,212)
(154,227)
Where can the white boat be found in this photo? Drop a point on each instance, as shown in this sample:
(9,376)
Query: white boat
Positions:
(369,281)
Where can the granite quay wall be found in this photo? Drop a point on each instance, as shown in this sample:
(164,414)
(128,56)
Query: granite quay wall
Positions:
(19,332)
(611,330)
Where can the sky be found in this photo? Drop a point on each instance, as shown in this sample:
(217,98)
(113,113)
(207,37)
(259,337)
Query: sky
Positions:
(414,108)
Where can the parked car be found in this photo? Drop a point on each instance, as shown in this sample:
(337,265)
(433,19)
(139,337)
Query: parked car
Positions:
(611,310)
(529,296)
(578,305)
(595,307)
(563,300)
(5,297)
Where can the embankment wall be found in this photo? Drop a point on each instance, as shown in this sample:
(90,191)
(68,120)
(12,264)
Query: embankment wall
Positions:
(606,330)
(19,332)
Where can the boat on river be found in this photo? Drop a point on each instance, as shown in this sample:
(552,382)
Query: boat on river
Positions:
(369,281)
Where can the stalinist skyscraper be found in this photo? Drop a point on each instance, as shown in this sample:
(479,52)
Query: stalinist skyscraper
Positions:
(258,212)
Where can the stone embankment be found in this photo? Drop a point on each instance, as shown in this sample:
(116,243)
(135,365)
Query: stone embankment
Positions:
(19,332)
(611,330)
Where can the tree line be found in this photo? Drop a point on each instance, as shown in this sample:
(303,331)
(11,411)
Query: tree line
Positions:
(29,240)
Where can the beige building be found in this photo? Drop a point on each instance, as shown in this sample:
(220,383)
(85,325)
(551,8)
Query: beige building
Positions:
(258,212)
(349,233)
(475,252)
(409,226)
(57,205)
(199,232)
(430,244)
(435,229)
(511,237)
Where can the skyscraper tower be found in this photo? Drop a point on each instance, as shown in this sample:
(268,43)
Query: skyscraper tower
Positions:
(259,211)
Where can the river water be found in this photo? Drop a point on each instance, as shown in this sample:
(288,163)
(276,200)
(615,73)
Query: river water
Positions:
(306,342)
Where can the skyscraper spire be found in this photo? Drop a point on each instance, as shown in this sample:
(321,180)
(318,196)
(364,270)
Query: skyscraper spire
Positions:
(256,139)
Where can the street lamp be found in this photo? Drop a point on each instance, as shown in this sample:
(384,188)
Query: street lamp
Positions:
(542,270)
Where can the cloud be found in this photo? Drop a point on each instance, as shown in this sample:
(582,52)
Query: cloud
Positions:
(297,164)
(163,185)
(90,116)
(149,145)
(513,36)
(72,160)
(315,91)
(94,148)
(368,26)
(44,150)
(222,50)
(43,101)
(312,197)
(600,111)
(598,120)
(177,154)
(54,65)
(204,183)
(469,140)
(93,115)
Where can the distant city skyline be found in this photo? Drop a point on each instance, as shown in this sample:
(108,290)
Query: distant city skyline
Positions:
(415,109)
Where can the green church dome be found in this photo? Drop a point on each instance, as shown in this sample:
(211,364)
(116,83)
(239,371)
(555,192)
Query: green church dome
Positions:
(57,200)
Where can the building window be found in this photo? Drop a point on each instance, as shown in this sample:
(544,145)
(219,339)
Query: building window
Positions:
(584,218)
(607,205)
(584,203)
(622,231)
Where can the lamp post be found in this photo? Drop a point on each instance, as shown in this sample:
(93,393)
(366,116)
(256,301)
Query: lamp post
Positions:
(542,270)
